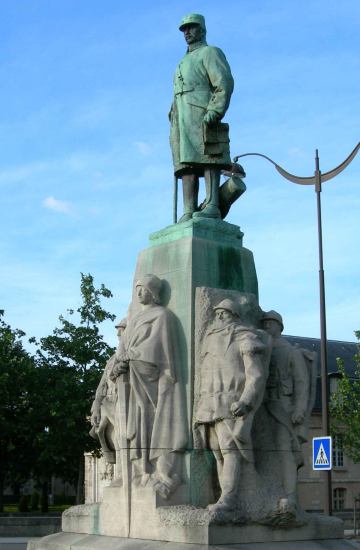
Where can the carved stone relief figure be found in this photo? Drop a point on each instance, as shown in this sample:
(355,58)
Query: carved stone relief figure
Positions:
(233,371)
(289,399)
(103,407)
(156,423)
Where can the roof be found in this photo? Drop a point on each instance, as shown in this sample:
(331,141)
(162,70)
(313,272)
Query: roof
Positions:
(335,349)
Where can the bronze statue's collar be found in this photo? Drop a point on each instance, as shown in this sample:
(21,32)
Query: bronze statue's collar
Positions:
(196,45)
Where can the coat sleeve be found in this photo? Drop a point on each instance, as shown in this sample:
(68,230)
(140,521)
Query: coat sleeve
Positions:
(301,381)
(221,80)
(255,377)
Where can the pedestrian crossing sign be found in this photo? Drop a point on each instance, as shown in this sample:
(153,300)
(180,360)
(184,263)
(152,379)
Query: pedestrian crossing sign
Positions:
(322,453)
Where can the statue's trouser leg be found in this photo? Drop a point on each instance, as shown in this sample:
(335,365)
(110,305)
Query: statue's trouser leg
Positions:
(109,454)
(190,184)
(212,183)
(289,468)
(231,466)
(214,446)
(229,481)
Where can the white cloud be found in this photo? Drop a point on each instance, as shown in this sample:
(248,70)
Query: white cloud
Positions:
(23,172)
(144,148)
(59,206)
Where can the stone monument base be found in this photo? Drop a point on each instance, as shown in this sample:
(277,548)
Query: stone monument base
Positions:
(204,536)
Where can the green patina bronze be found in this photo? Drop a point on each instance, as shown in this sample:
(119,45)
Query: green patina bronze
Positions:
(203,85)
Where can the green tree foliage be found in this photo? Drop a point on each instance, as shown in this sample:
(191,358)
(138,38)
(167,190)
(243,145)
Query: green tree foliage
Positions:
(345,408)
(17,377)
(71,361)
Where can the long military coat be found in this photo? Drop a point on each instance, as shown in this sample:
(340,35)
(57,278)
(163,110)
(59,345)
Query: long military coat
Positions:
(233,367)
(202,82)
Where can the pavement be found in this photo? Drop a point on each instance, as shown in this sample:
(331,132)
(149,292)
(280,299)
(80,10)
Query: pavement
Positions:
(20,543)
(14,543)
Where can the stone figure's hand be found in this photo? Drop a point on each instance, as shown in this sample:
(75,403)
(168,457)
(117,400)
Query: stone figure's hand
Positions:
(95,417)
(211,117)
(298,417)
(118,369)
(239,408)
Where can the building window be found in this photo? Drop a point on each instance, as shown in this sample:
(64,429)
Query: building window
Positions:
(339,496)
(338,451)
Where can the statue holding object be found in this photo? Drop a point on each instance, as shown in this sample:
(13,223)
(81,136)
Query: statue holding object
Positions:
(203,85)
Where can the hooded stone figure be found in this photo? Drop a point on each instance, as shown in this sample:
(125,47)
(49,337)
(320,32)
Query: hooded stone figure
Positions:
(203,85)
(156,422)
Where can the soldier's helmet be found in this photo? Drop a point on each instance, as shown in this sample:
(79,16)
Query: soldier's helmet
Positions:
(193,18)
(228,305)
(273,315)
(121,323)
(153,284)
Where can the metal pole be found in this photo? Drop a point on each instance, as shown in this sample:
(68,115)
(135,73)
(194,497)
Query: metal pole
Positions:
(354,517)
(316,180)
(323,339)
(175,199)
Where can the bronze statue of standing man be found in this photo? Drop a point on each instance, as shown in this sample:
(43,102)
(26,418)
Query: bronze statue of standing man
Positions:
(203,85)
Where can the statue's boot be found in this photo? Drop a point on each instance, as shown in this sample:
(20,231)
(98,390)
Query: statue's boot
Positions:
(288,504)
(229,483)
(110,456)
(212,182)
(190,185)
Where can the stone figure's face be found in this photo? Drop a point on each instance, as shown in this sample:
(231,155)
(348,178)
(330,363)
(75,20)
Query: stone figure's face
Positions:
(223,317)
(120,331)
(192,33)
(144,295)
(272,327)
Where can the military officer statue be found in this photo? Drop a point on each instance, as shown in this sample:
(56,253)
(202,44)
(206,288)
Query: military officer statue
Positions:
(203,85)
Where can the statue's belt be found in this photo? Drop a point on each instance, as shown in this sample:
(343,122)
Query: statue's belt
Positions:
(197,89)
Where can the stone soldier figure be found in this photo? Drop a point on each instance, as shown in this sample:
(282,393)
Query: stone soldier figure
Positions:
(233,372)
(287,399)
(103,407)
(203,85)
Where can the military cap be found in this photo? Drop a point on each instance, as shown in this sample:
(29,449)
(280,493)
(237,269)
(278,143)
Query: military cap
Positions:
(193,19)
(273,315)
(228,305)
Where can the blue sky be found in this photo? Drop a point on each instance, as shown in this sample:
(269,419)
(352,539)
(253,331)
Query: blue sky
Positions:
(85,166)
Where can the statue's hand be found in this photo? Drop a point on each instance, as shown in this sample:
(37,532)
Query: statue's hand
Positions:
(118,369)
(211,117)
(298,417)
(95,417)
(239,408)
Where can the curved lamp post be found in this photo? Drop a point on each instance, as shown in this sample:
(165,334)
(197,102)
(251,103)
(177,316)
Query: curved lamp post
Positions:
(317,180)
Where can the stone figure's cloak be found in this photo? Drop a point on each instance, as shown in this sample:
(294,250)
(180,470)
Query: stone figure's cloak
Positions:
(202,82)
(156,417)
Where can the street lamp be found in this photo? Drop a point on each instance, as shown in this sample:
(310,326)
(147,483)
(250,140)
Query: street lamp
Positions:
(317,180)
